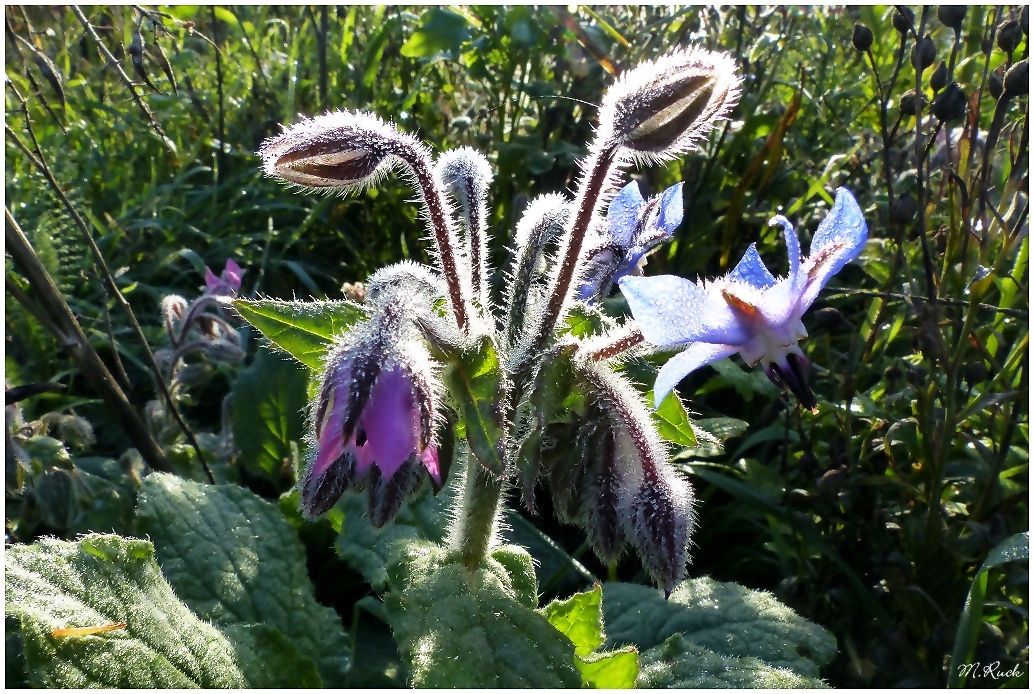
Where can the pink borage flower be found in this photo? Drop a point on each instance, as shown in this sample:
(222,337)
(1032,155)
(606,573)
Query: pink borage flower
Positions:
(228,283)
(374,424)
(748,311)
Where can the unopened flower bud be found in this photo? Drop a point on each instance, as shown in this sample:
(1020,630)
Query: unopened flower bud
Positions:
(337,150)
(939,78)
(662,107)
(952,16)
(950,105)
(1009,35)
(996,83)
(924,53)
(903,209)
(903,22)
(1017,80)
(224,351)
(908,102)
(862,37)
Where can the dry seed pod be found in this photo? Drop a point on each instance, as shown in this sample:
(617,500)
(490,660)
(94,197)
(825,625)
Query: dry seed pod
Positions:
(995,84)
(908,102)
(862,37)
(1017,80)
(952,16)
(1009,35)
(950,104)
(923,54)
(903,22)
(939,78)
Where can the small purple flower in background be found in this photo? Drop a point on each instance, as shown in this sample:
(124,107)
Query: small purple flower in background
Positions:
(748,311)
(227,284)
(374,427)
(634,227)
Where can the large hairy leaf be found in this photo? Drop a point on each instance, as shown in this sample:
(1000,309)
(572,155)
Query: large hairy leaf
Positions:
(102,580)
(303,329)
(235,560)
(370,550)
(725,619)
(268,401)
(457,628)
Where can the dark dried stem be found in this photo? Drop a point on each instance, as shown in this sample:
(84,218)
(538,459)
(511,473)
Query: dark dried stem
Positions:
(38,160)
(112,62)
(73,340)
(931,289)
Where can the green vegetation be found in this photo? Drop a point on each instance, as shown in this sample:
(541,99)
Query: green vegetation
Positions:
(876,517)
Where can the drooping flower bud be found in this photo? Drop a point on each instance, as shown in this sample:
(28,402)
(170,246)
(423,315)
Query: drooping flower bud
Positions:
(862,38)
(336,151)
(662,107)
(174,308)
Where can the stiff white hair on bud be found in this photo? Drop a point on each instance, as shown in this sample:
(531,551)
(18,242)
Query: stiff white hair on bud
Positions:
(335,151)
(662,107)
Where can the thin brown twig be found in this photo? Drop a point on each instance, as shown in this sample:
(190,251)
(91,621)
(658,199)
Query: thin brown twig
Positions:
(125,79)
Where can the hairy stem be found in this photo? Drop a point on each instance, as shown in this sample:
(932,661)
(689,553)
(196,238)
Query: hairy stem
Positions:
(478,514)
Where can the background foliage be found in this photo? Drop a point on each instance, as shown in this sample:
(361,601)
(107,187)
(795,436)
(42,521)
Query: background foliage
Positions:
(871,517)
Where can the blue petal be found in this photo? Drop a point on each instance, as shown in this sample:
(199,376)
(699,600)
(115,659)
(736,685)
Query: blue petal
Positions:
(681,365)
(838,240)
(623,214)
(673,311)
(751,269)
(793,244)
(671,209)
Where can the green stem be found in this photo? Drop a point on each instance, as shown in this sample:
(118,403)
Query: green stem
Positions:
(478,512)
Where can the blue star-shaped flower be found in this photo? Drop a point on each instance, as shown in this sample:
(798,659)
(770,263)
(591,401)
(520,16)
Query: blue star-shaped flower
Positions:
(748,311)
(633,228)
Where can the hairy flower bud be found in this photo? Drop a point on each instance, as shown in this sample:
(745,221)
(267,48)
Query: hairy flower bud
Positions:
(1017,80)
(862,37)
(1009,35)
(660,108)
(924,53)
(336,151)
(467,174)
(174,308)
(952,16)
(950,104)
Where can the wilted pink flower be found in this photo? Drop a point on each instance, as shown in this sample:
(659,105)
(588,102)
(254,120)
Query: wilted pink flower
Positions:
(227,284)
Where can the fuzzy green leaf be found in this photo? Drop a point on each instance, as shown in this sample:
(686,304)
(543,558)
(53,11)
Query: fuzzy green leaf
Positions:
(476,381)
(611,670)
(100,580)
(269,659)
(370,550)
(679,663)
(726,619)
(579,618)
(303,329)
(461,629)
(672,421)
(268,402)
(234,559)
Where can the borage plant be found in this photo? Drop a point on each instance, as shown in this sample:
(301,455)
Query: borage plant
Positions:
(430,368)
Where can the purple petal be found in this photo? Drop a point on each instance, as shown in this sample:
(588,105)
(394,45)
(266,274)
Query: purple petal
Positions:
(838,240)
(211,281)
(623,214)
(232,274)
(684,363)
(430,460)
(672,311)
(751,269)
(671,209)
(390,421)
